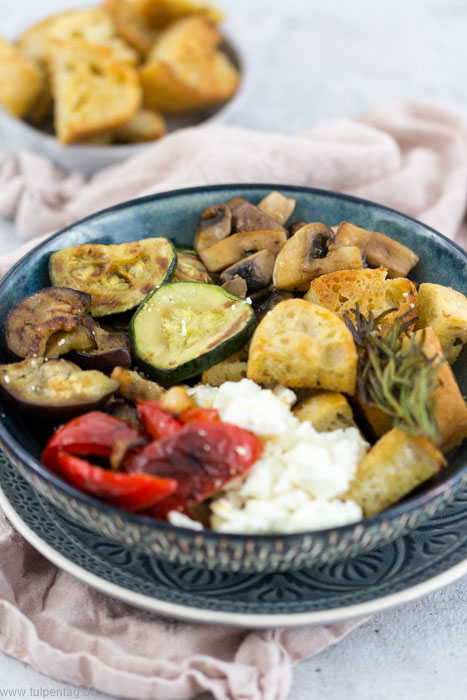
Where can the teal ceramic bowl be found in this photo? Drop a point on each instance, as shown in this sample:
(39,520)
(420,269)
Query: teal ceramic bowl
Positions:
(175,215)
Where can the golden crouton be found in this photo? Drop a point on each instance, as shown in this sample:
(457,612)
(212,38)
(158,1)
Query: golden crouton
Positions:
(130,25)
(341,291)
(450,407)
(445,310)
(93,92)
(133,387)
(145,125)
(185,71)
(299,344)
(378,250)
(326,411)
(393,468)
(232,369)
(160,13)
(20,80)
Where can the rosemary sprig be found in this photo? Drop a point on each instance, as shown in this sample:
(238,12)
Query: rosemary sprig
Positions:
(394,373)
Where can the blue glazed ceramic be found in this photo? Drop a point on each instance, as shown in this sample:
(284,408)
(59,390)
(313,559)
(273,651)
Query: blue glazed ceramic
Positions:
(425,559)
(175,215)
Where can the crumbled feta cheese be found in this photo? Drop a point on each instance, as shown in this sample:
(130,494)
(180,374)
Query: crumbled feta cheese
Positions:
(182,520)
(295,483)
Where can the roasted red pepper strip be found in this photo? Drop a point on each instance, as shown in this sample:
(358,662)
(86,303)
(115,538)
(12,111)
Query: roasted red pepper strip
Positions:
(158,423)
(202,457)
(96,434)
(208,415)
(128,491)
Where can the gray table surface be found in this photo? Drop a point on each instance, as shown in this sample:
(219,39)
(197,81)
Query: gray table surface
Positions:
(311,61)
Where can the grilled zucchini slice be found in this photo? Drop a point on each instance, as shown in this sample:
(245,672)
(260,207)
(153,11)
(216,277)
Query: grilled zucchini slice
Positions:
(118,277)
(183,328)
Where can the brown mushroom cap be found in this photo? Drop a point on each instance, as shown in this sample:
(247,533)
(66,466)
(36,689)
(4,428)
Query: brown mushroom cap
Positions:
(247,217)
(214,225)
(255,269)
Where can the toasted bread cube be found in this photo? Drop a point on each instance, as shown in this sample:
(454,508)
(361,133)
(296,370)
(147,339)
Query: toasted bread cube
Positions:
(232,369)
(397,464)
(93,92)
(130,25)
(445,310)
(326,411)
(450,407)
(379,250)
(20,80)
(340,292)
(160,13)
(299,344)
(185,71)
(145,125)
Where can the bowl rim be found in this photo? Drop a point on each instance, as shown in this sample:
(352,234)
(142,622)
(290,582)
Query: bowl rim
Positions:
(8,441)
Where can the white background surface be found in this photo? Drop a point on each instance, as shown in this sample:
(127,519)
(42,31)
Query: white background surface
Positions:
(309,61)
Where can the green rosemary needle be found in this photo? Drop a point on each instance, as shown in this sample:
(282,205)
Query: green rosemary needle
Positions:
(394,373)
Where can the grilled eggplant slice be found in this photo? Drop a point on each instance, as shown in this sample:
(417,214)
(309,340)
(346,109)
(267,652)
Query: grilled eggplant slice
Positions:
(54,389)
(190,268)
(183,328)
(111,350)
(117,277)
(48,323)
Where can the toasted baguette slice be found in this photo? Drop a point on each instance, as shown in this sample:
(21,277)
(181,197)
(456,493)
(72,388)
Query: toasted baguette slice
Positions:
(93,92)
(20,80)
(185,71)
(160,13)
(232,369)
(326,411)
(94,26)
(340,292)
(130,25)
(393,467)
(299,344)
(450,407)
(445,310)
(145,125)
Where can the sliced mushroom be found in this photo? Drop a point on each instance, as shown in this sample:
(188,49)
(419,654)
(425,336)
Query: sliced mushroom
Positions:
(41,323)
(278,206)
(256,270)
(312,252)
(55,389)
(214,225)
(236,286)
(247,217)
(293,228)
(378,250)
(111,350)
(268,301)
(229,251)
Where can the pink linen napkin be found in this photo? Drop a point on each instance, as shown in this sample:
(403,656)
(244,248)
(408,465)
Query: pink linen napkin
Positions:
(409,155)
